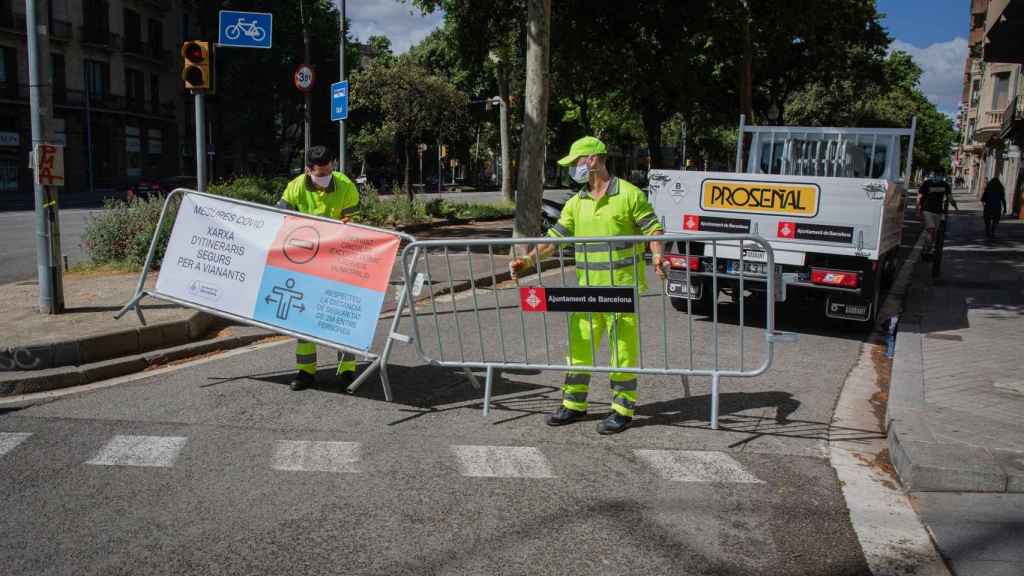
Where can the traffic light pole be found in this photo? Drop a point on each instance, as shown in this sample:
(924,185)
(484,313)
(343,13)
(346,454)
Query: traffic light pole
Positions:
(200,142)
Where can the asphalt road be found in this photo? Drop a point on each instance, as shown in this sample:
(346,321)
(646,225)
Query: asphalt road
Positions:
(18,242)
(217,467)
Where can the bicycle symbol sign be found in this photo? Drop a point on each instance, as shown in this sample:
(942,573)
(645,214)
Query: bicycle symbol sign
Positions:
(245,29)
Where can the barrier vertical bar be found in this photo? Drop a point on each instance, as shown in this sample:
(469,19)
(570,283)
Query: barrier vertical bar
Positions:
(742,298)
(455,304)
(544,315)
(476,304)
(488,388)
(714,400)
(433,304)
(497,304)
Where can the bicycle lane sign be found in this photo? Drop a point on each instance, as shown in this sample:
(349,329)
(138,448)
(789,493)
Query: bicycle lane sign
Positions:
(245,29)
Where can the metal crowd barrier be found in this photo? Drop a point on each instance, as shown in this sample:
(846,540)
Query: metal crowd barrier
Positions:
(491,328)
(378,361)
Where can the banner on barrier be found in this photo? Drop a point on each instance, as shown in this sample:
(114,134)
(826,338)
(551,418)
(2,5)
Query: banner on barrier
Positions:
(323,279)
(543,299)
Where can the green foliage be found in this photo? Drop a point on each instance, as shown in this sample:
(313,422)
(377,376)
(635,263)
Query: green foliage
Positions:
(120,235)
(256,189)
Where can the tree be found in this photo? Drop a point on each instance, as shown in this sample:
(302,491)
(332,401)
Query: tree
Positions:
(407,106)
(535,125)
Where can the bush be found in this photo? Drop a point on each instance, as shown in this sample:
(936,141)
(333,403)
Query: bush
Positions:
(398,211)
(266,191)
(469,211)
(120,234)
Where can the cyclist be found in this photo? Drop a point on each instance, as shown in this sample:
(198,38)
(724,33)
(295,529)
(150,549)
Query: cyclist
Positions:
(933,200)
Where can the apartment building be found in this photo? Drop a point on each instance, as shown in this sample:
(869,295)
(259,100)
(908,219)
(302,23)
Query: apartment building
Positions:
(118,102)
(991,105)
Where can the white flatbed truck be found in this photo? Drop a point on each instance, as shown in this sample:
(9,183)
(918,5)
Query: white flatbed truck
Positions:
(830,202)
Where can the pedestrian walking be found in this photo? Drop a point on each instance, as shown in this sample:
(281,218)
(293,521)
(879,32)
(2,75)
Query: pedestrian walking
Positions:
(320,191)
(994,201)
(605,206)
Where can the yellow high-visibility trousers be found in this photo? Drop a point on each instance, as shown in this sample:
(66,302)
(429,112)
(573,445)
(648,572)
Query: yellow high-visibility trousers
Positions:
(305,359)
(584,338)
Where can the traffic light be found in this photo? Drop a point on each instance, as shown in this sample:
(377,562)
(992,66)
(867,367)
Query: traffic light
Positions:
(197,69)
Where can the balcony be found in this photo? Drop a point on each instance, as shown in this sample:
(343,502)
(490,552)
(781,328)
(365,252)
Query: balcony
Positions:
(100,38)
(144,51)
(12,91)
(1013,117)
(13,23)
(61,31)
(990,124)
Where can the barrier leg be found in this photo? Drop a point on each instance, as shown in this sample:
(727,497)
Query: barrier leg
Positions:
(131,303)
(364,376)
(381,363)
(714,401)
(686,385)
(487,390)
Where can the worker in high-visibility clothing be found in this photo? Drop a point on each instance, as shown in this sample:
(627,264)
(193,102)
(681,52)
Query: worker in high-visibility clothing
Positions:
(320,191)
(606,206)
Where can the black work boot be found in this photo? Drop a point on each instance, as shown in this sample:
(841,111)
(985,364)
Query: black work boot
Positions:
(613,424)
(302,381)
(564,416)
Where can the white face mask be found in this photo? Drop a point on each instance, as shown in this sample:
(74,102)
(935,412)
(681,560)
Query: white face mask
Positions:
(581,174)
(321,181)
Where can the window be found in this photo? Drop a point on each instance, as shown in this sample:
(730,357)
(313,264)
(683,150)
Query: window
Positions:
(154,93)
(1000,91)
(60,79)
(134,87)
(96,19)
(975,93)
(8,177)
(185,27)
(97,78)
(132,32)
(8,66)
(156,38)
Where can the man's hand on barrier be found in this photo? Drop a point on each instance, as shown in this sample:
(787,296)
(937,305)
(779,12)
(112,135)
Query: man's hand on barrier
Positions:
(660,263)
(519,266)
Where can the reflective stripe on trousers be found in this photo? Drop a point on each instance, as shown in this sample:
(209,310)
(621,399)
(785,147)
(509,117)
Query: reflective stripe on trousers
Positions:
(305,359)
(622,334)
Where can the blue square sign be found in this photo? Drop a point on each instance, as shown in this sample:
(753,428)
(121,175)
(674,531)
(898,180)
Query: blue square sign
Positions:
(245,29)
(339,101)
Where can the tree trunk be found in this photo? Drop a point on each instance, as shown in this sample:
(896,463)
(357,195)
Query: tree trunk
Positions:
(506,145)
(535,120)
(653,120)
(406,185)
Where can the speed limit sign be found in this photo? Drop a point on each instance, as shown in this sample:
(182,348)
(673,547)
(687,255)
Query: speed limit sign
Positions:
(304,77)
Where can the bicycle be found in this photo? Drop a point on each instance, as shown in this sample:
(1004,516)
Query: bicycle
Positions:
(250,29)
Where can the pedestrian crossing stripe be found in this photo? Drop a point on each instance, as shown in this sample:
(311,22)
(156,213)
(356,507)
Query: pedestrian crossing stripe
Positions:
(10,440)
(502,462)
(697,466)
(155,451)
(305,456)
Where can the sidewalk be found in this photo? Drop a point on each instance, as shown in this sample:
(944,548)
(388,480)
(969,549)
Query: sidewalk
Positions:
(41,352)
(956,405)
(85,344)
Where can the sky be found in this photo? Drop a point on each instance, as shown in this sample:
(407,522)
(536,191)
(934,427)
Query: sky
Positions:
(933,32)
(401,22)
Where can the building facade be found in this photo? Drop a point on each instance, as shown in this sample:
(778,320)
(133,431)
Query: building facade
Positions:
(118,102)
(990,109)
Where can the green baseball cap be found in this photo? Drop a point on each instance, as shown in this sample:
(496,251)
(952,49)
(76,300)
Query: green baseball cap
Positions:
(586,146)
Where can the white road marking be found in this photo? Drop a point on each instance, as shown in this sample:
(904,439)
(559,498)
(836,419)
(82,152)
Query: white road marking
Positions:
(697,466)
(10,440)
(156,451)
(502,462)
(307,456)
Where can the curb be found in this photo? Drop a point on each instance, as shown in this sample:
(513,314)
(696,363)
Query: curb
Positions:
(925,464)
(68,376)
(111,345)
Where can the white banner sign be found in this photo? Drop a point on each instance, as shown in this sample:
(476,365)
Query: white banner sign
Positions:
(323,279)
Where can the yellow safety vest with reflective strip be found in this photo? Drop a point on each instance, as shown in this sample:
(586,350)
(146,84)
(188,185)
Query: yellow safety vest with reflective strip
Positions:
(622,211)
(339,199)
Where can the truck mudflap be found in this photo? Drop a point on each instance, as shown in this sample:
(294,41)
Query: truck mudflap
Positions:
(848,307)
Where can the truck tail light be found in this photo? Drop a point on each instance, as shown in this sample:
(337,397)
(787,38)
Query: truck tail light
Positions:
(691,263)
(841,278)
